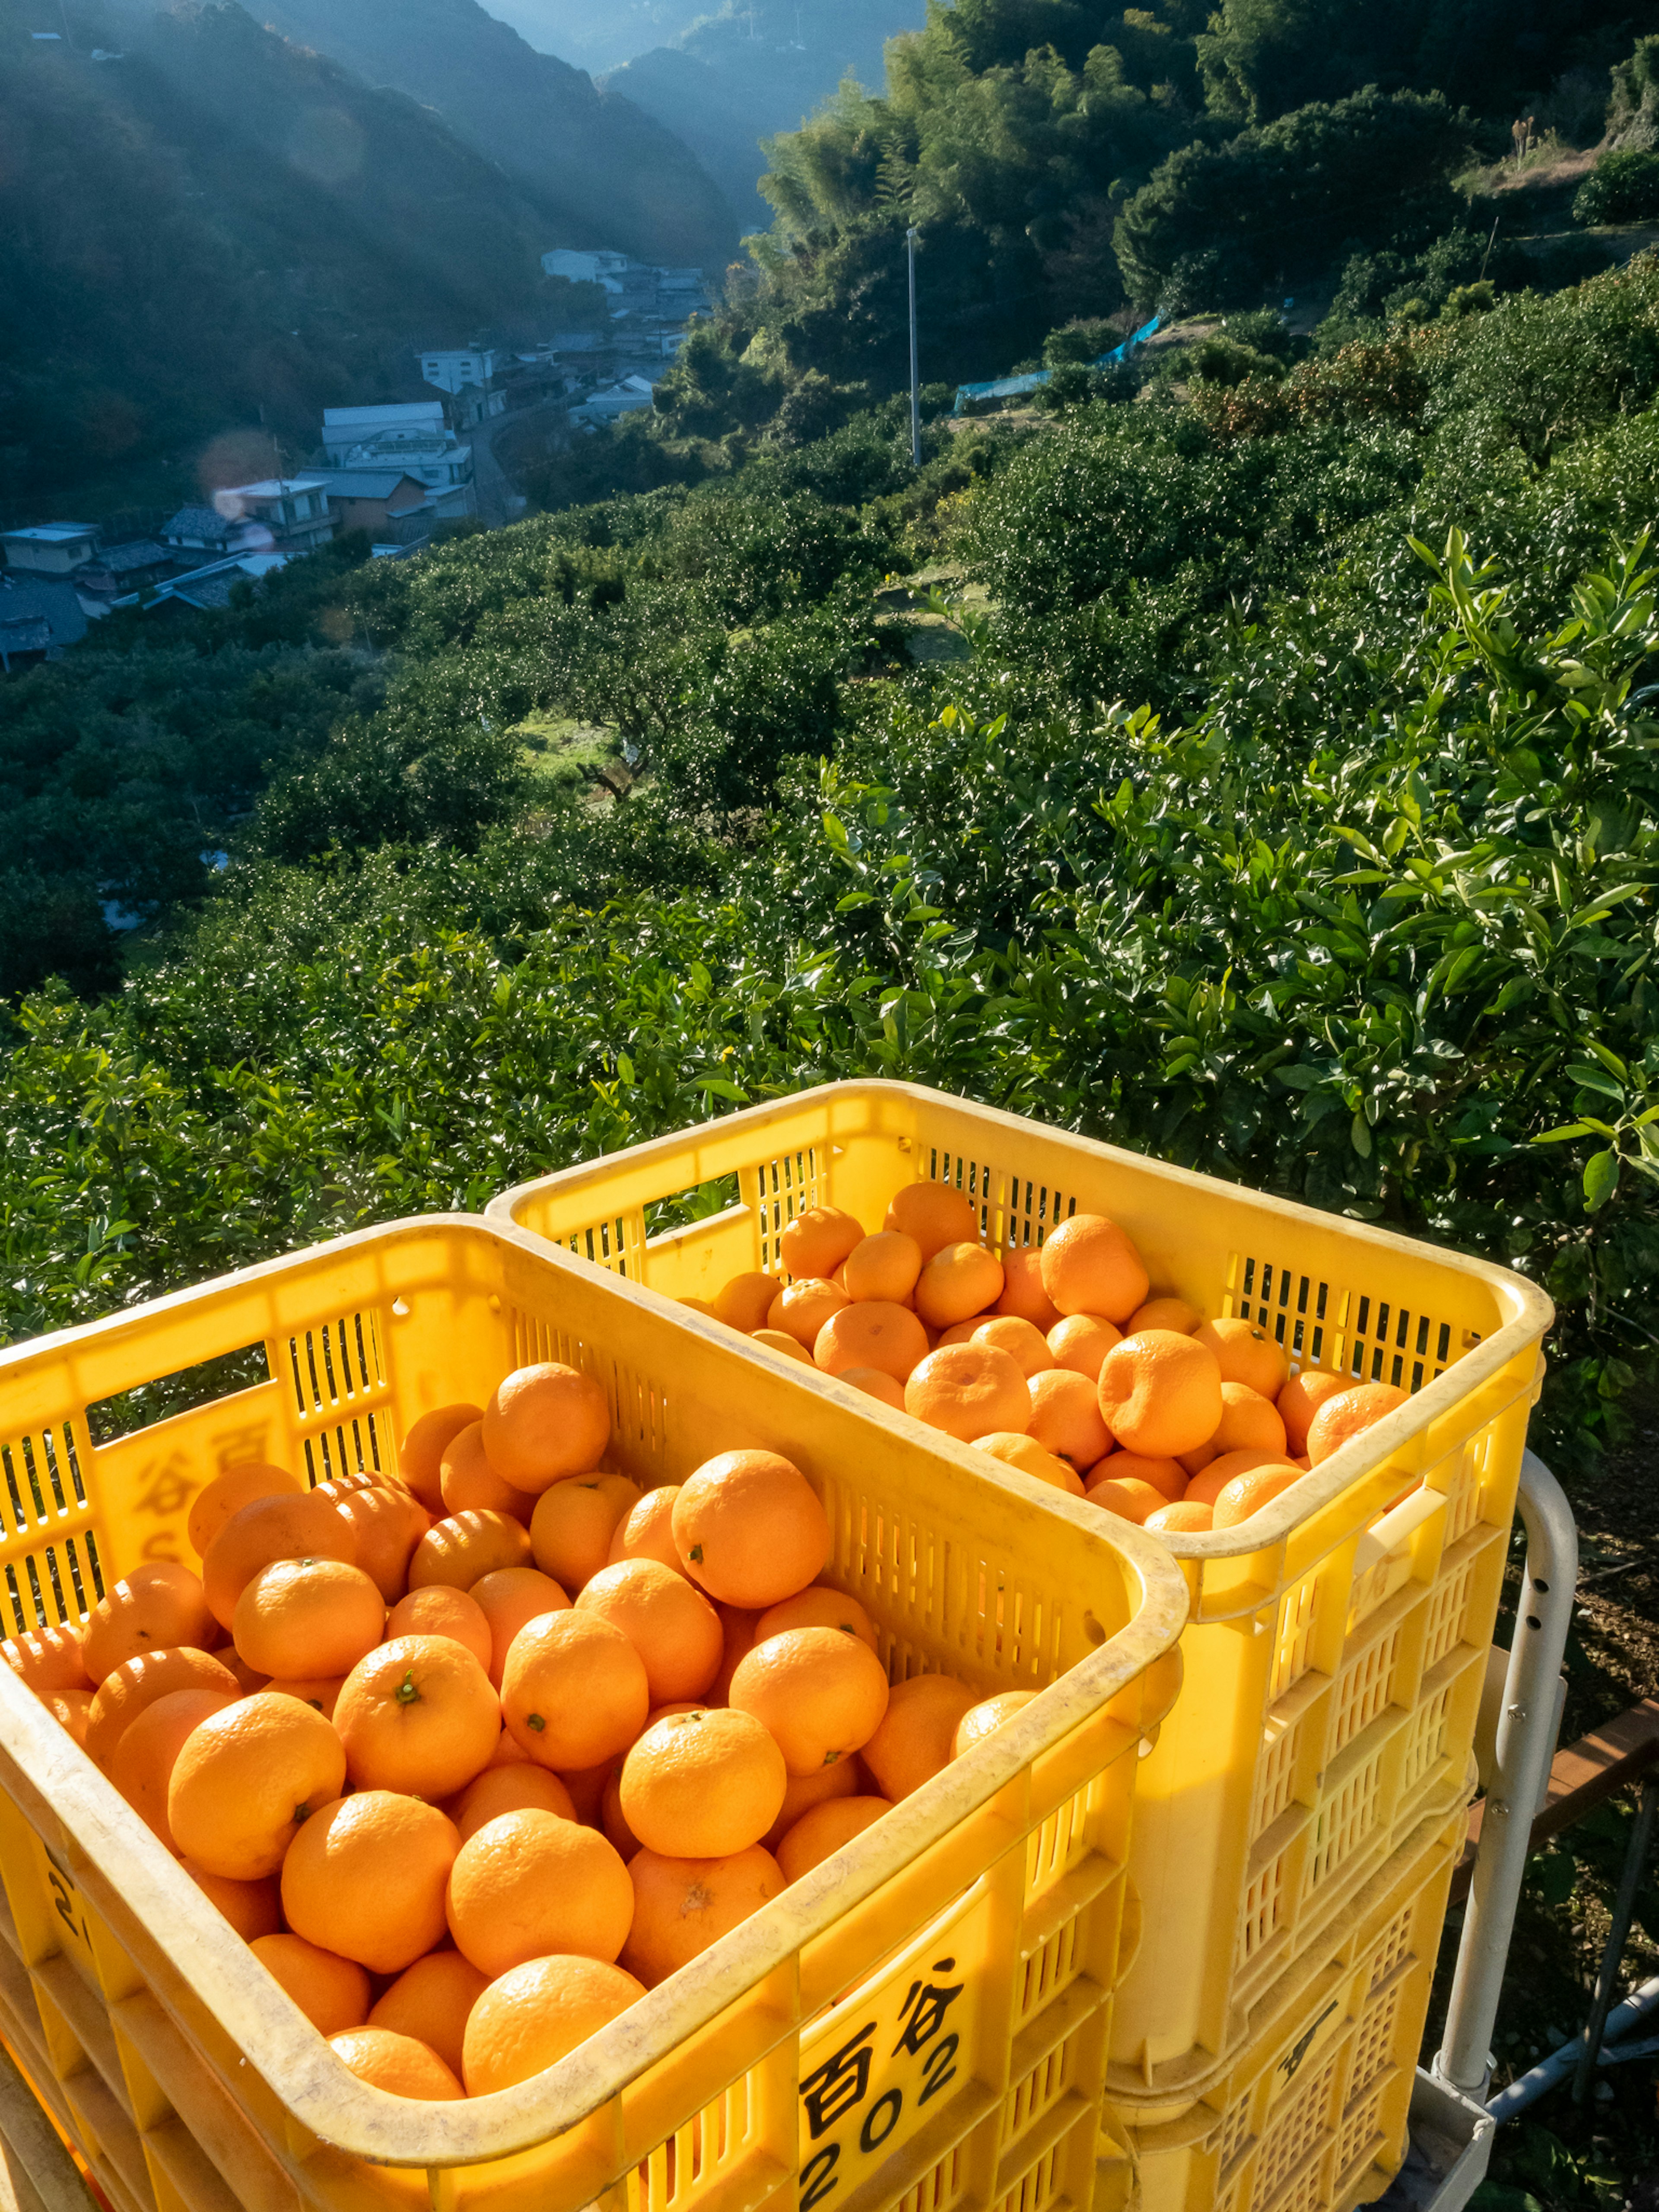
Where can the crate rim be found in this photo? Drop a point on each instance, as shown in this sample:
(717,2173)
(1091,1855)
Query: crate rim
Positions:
(311,2081)
(1531,1311)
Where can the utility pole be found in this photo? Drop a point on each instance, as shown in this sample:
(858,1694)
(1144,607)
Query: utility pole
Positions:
(915,380)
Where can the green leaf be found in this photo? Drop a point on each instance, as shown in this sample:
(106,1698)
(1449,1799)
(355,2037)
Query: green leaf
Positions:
(1601,1180)
(1360,1135)
(1559,1136)
(717,1086)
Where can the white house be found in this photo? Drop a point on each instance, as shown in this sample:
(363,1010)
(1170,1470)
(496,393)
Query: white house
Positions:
(597,268)
(453,368)
(51,549)
(291,513)
(412,438)
(626,397)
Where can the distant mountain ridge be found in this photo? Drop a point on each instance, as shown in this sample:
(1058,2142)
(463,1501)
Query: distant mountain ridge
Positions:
(215,231)
(610,175)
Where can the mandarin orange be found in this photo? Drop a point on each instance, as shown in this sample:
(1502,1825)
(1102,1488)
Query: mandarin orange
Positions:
(682,1906)
(1091,1266)
(1164,1313)
(968,1390)
(574,1692)
(750,1529)
(913,1742)
(49,1658)
(744,1302)
(1184,1516)
(574,1523)
(507,1599)
(1349,1414)
(420,1462)
(137,1684)
(438,1609)
(1246,1494)
(817,1835)
(333,1993)
(959,1280)
(227,1493)
(299,1617)
(1081,1342)
(1065,1416)
(672,1624)
(1160,1394)
(801,1308)
(987,1717)
(246,1781)
(821,1693)
(524,1787)
(365,1878)
(401,2065)
(157,1608)
(141,1765)
(465,1547)
(531,1886)
(1023,1294)
(1207,1484)
(1301,1398)
(387,1524)
(469,1484)
(876,1334)
(820,1606)
(846,1778)
(702,1784)
(1245,1353)
(253,1908)
(535,2014)
(1015,1449)
(1025,1345)
(883,1267)
(301,1527)
(543,1423)
(817,1242)
(645,1531)
(934,1215)
(418,1715)
(433,2001)
(876,1384)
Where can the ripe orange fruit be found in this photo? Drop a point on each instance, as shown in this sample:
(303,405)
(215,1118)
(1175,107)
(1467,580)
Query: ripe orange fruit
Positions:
(524,1787)
(883,1267)
(49,1658)
(1167,1476)
(304,1526)
(1160,1394)
(780,1342)
(227,1493)
(698,1306)
(253,1908)
(420,1462)
(702,1784)
(1014,1449)
(844,1779)
(745,1301)
(987,1717)
(672,1626)
(70,1709)
(1090,1266)
(875,1383)
(1185,1516)
(801,1308)
(817,1242)
(968,1390)
(248,1779)
(1207,1484)
(299,1617)
(1246,1353)
(1301,1398)
(874,1334)
(418,1715)
(321,1691)
(531,1886)
(1164,1313)
(538,2014)
(572,1527)
(1025,1345)
(960,1279)
(821,1692)
(960,1332)
(141,1765)
(1249,1422)
(157,1608)
(1065,1416)
(387,1524)
(645,1531)
(366,1876)
(1129,1498)
(507,1600)
(465,1548)
(544,1423)
(913,1742)
(750,1529)
(573,1692)
(1247,1493)
(439,1610)
(1022,1294)
(470,1485)
(682,1906)
(817,1834)
(820,1606)
(333,1993)
(399,2064)
(433,2001)
(1348,1414)
(137,1684)
(1081,1342)
(935,1215)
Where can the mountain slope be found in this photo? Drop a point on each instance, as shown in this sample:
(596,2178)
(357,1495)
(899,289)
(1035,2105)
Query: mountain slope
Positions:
(728,81)
(609,174)
(215,229)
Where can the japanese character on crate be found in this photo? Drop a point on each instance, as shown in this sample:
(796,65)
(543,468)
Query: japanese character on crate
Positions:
(880,2076)
(1059,1361)
(474,1755)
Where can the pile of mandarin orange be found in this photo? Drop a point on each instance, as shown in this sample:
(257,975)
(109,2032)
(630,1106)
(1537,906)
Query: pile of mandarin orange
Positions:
(474,1755)
(1057,1360)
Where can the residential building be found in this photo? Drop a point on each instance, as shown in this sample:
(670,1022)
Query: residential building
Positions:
(117,568)
(412,438)
(376,499)
(587,268)
(25,641)
(196,530)
(292,511)
(209,587)
(624,397)
(468,374)
(28,602)
(51,549)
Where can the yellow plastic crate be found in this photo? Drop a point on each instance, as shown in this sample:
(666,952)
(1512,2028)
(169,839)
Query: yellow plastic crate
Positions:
(929,2012)
(1334,1661)
(1311,2117)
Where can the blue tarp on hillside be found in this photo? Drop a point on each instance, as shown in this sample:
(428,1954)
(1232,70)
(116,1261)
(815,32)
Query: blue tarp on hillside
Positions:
(1009,387)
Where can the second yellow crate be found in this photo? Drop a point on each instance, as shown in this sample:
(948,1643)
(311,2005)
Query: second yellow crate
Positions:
(928,2011)
(1334,1658)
